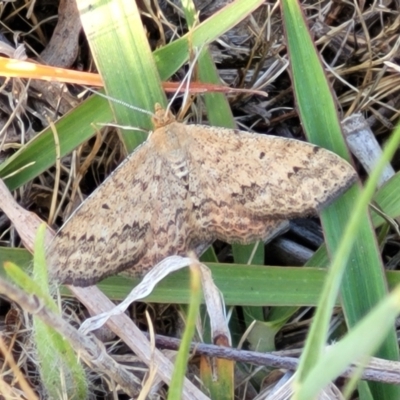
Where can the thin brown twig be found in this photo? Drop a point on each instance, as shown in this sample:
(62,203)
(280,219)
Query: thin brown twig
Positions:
(377,370)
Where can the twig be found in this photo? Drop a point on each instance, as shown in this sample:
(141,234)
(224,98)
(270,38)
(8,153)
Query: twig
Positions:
(377,370)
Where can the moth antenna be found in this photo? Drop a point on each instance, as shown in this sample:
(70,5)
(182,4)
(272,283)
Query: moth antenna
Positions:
(125,127)
(118,101)
(186,80)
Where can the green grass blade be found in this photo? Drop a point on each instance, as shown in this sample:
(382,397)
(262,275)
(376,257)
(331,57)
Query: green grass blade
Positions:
(171,57)
(125,62)
(337,269)
(39,154)
(319,117)
(178,376)
(240,285)
(16,256)
(357,346)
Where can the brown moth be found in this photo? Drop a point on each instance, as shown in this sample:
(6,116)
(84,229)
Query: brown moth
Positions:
(187,186)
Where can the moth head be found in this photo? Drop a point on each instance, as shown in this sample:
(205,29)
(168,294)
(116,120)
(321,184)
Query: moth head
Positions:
(162,117)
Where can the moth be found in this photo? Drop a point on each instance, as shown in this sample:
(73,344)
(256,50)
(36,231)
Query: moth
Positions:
(187,186)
